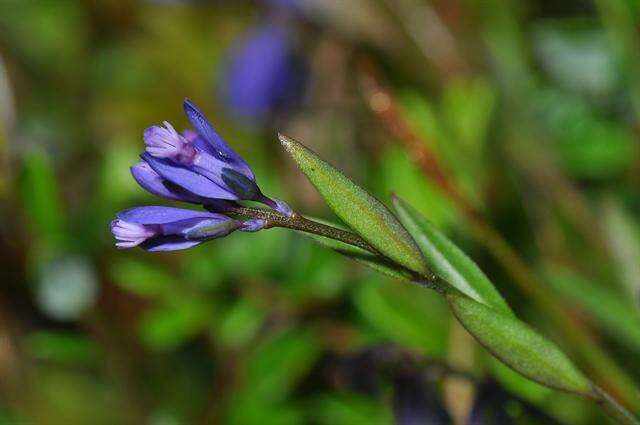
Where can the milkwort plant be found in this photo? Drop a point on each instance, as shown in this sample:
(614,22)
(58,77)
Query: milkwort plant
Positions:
(199,167)
(195,167)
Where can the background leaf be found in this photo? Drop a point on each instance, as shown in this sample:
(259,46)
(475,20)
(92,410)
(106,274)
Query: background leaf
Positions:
(350,408)
(407,315)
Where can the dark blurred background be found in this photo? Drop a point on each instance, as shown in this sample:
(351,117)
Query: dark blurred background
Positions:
(512,125)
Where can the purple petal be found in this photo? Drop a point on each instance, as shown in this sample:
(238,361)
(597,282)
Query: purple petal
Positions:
(208,229)
(276,204)
(165,215)
(236,179)
(201,227)
(165,142)
(158,228)
(209,166)
(225,175)
(220,173)
(189,135)
(130,234)
(153,183)
(168,243)
(220,205)
(203,145)
(240,166)
(217,146)
(283,208)
(188,179)
(253,225)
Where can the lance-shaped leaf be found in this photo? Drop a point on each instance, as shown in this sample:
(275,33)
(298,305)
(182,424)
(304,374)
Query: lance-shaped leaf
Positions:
(376,262)
(448,261)
(359,210)
(519,346)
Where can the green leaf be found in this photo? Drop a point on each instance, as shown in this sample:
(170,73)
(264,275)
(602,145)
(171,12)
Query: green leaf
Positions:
(448,261)
(142,278)
(398,173)
(586,144)
(614,312)
(517,384)
(240,323)
(467,107)
(278,364)
(317,274)
(519,346)
(359,210)
(41,198)
(351,408)
(376,262)
(623,238)
(405,314)
(167,327)
(270,373)
(63,347)
(257,412)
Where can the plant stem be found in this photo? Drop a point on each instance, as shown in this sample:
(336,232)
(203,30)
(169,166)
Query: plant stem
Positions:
(298,222)
(614,409)
(303,224)
(605,369)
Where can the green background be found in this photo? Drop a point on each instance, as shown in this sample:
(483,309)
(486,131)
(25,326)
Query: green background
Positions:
(531,108)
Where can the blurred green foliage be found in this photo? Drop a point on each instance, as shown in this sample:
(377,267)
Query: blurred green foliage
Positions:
(532,108)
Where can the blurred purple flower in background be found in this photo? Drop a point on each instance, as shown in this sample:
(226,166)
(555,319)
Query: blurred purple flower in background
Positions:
(197,167)
(264,75)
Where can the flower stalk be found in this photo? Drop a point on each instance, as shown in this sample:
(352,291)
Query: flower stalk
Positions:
(302,224)
(200,168)
(614,409)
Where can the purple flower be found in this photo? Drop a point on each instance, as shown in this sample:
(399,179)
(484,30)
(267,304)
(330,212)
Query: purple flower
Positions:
(264,74)
(165,142)
(152,182)
(156,228)
(197,166)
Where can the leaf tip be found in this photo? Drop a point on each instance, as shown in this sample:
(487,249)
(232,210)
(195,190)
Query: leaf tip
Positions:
(397,201)
(286,142)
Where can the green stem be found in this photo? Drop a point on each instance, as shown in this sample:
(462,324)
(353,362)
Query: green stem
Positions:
(614,409)
(303,224)
(298,222)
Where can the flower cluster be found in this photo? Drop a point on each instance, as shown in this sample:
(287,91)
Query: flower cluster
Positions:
(197,167)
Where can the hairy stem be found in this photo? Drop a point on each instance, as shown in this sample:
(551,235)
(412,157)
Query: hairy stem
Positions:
(298,222)
(303,224)
(613,408)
